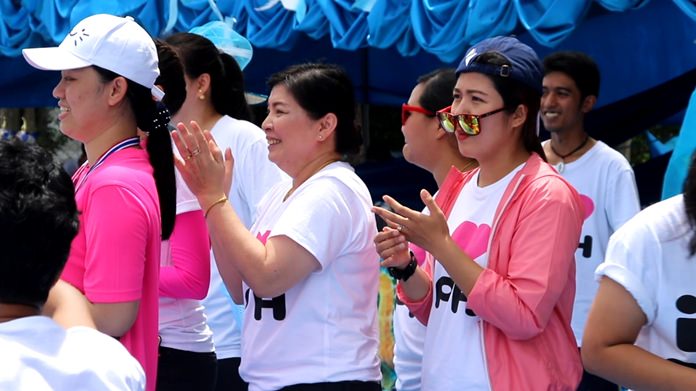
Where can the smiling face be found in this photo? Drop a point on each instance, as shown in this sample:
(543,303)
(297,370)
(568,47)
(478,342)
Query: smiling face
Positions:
(291,133)
(475,93)
(82,98)
(562,107)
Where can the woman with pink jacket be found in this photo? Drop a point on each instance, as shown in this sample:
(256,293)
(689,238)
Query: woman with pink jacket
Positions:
(496,290)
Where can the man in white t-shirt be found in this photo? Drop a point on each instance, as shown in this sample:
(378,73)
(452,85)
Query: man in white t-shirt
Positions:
(38,221)
(601,175)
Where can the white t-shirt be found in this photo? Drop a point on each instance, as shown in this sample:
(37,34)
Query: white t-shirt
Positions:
(607,187)
(253,175)
(37,354)
(649,257)
(454,356)
(182,322)
(409,337)
(323,329)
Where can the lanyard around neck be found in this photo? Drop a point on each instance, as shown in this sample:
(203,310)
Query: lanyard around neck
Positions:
(127,143)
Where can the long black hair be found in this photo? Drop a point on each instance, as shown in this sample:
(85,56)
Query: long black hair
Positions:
(152,118)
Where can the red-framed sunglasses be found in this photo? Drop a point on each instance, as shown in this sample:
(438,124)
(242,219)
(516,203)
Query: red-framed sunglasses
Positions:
(470,124)
(406,111)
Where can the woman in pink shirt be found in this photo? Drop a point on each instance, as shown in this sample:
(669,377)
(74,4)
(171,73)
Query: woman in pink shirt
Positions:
(497,290)
(125,194)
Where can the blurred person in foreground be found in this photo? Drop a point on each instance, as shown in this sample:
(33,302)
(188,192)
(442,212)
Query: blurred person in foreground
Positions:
(37,200)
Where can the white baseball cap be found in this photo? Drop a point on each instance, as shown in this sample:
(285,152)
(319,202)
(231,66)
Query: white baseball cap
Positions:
(111,42)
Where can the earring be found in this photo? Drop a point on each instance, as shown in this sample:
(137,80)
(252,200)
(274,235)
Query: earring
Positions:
(321,137)
(200,94)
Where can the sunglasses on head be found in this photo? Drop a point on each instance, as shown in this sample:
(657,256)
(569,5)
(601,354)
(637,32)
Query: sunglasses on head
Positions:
(469,124)
(406,111)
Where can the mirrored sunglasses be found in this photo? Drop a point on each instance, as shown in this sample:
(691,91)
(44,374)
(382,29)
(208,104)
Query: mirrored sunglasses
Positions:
(406,111)
(469,124)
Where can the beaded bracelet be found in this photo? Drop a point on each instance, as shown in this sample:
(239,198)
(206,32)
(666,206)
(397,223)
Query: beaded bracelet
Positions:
(220,201)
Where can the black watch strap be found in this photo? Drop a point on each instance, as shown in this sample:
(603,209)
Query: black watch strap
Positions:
(405,273)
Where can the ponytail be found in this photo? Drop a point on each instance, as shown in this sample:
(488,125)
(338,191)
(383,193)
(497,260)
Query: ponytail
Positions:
(200,55)
(228,95)
(153,118)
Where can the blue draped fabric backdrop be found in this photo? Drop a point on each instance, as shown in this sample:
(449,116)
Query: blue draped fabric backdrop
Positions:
(645,48)
(639,44)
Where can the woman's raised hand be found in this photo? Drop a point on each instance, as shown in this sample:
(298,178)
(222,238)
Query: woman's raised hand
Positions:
(428,231)
(207,174)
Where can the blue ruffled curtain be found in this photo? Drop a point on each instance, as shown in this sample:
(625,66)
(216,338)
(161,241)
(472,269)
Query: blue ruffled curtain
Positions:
(310,19)
(445,28)
(270,26)
(688,7)
(551,21)
(386,27)
(347,23)
(15,31)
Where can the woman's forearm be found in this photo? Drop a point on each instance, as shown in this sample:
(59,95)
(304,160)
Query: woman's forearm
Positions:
(638,369)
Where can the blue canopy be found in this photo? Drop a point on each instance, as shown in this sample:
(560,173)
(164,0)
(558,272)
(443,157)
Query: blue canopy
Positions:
(638,43)
(645,49)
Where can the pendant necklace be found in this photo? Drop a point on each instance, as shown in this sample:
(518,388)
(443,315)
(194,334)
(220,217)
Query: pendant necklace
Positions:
(560,167)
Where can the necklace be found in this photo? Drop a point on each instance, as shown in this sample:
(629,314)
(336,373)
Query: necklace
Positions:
(127,143)
(561,166)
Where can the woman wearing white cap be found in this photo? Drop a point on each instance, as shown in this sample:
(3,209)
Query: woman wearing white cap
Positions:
(497,290)
(125,194)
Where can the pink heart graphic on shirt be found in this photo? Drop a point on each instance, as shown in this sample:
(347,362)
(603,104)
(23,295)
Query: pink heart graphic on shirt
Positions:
(263,238)
(472,239)
(588,205)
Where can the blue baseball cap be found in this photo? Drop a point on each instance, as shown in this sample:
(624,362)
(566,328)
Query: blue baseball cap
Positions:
(525,66)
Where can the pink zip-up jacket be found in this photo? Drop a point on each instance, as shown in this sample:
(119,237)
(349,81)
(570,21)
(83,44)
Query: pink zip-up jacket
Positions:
(525,295)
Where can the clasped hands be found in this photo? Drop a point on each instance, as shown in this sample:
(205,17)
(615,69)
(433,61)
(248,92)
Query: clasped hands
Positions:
(404,225)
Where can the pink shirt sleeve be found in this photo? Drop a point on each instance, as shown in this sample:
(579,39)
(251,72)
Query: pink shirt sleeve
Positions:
(419,308)
(117,237)
(187,274)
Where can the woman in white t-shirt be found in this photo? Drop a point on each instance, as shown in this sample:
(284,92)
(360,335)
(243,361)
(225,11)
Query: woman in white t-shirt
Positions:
(641,329)
(215,98)
(497,290)
(307,271)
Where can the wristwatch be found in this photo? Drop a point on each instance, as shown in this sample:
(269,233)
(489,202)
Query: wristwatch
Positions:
(405,273)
